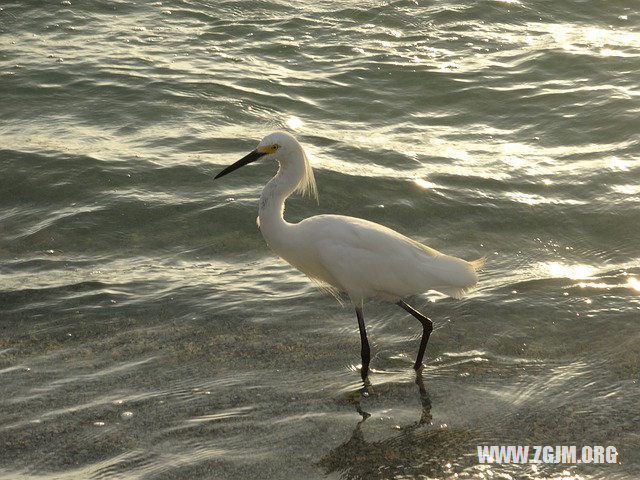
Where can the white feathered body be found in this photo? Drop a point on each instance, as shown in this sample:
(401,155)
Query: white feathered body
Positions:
(365,259)
(346,254)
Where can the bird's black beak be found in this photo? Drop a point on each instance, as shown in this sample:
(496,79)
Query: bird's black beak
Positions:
(251,157)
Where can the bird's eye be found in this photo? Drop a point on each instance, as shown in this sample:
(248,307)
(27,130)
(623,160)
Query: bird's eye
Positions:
(275,147)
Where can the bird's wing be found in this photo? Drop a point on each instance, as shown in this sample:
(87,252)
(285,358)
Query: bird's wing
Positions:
(366,259)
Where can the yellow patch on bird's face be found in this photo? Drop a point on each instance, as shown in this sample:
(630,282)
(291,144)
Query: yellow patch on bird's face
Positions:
(268,148)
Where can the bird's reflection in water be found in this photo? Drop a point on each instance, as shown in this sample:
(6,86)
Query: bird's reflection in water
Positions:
(419,449)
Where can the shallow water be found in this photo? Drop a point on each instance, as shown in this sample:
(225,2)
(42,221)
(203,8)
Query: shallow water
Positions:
(146,331)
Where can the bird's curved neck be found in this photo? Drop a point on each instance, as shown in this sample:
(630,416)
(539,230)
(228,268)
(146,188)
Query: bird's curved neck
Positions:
(271,212)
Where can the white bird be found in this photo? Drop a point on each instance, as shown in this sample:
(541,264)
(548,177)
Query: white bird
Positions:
(346,254)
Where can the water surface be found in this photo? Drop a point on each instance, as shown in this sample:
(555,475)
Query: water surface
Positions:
(146,331)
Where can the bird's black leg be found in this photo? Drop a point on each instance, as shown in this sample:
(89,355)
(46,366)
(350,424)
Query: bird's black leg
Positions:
(427,328)
(364,345)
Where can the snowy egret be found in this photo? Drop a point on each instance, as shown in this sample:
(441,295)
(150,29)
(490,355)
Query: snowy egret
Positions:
(345,254)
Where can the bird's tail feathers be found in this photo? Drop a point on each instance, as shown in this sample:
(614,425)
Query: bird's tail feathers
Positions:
(479,262)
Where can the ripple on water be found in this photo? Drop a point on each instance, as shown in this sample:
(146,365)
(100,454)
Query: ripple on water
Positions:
(147,332)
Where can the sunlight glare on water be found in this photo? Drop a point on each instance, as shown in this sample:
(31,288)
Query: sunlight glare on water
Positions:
(574,272)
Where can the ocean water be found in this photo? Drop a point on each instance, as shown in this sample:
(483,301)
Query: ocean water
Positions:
(146,330)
